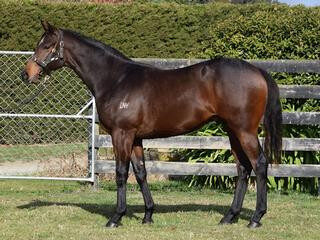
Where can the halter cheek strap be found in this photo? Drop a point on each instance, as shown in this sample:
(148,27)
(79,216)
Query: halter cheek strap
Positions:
(53,55)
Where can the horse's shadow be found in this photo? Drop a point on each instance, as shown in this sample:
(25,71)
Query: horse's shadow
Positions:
(107,210)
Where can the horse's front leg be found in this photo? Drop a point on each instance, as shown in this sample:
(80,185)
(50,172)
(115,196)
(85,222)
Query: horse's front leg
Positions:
(139,168)
(122,145)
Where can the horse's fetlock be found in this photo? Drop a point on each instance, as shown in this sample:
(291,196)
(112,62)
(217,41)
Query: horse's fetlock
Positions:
(235,212)
(264,211)
(121,212)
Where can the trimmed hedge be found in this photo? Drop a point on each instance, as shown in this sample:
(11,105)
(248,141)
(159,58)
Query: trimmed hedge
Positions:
(257,31)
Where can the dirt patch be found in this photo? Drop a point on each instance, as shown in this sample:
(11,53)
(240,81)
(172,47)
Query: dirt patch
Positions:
(54,167)
(19,168)
(74,166)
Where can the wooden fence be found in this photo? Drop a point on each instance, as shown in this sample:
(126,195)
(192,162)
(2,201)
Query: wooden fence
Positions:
(214,142)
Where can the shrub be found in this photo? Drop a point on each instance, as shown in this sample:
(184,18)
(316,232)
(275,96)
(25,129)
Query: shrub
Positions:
(170,30)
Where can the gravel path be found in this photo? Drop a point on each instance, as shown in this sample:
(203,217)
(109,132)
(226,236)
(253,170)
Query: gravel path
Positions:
(19,168)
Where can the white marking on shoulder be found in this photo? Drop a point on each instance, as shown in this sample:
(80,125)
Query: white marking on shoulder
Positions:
(124,105)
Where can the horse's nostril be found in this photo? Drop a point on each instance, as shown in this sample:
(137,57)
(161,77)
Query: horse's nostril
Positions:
(24,75)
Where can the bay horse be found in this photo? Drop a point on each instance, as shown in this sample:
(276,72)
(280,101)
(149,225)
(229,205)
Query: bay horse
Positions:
(137,101)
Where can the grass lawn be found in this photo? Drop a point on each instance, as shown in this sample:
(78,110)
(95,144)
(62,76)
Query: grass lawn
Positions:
(70,210)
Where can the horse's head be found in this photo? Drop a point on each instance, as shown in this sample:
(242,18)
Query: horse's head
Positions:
(47,56)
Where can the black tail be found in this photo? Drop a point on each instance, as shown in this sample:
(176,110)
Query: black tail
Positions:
(272,121)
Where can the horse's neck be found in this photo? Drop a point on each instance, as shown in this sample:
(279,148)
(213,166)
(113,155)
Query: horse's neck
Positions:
(94,70)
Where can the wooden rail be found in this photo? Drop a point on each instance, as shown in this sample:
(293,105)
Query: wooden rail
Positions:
(204,142)
(216,169)
(289,66)
(217,142)
(300,91)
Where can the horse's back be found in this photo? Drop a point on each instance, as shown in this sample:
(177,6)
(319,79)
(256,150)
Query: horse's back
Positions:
(230,89)
(160,103)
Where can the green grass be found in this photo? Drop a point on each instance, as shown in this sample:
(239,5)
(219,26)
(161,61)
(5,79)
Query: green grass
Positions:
(40,152)
(68,210)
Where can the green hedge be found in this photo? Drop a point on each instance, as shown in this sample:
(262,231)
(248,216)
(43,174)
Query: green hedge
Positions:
(171,30)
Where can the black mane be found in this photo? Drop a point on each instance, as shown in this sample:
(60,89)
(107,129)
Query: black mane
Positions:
(97,44)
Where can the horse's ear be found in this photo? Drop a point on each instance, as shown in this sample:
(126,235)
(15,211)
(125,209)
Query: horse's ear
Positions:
(47,26)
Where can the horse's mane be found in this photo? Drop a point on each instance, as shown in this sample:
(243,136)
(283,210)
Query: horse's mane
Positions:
(97,44)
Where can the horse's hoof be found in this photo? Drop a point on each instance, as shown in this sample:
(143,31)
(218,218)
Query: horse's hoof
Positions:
(253,224)
(112,225)
(147,221)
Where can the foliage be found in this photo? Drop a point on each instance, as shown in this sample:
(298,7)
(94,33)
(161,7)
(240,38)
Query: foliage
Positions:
(253,1)
(170,30)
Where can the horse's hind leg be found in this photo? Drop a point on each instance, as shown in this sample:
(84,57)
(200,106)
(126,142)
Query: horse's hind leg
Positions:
(244,169)
(138,164)
(261,170)
(122,144)
(251,146)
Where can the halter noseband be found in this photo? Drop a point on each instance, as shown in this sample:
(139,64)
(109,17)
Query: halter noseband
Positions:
(52,56)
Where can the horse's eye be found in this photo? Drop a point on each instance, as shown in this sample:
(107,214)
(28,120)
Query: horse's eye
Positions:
(46,46)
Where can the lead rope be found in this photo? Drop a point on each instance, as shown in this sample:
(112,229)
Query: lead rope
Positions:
(32,97)
(41,88)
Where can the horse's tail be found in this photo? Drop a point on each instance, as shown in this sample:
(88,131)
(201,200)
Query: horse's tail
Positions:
(272,121)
